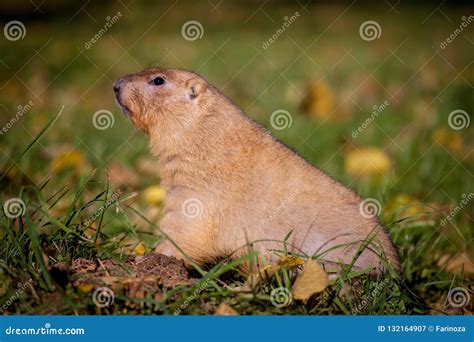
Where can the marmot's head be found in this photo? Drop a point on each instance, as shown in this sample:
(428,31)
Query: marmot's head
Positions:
(160,96)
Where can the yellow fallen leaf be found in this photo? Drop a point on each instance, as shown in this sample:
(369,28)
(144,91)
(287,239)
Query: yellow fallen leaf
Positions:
(140,249)
(320,101)
(268,271)
(290,261)
(67,159)
(154,194)
(448,138)
(404,205)
(254,279)
(225,310)
(86,288)
(313,279)
(366,161)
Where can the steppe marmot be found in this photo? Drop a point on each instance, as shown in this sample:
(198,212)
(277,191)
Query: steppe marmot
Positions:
(230,183)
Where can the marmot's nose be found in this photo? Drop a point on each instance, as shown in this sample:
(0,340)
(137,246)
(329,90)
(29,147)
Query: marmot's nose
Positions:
(118,85)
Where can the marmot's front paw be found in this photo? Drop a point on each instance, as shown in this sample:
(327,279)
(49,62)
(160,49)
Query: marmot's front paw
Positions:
(168,249)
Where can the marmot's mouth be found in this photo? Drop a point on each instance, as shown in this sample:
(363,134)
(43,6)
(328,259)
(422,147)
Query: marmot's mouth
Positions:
(124,108)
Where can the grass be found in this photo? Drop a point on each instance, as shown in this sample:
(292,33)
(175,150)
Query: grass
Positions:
(65,170)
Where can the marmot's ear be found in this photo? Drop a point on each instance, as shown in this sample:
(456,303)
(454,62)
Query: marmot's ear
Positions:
(196,87)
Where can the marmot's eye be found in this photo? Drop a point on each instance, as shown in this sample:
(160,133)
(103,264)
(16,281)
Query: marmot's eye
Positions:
(158,81)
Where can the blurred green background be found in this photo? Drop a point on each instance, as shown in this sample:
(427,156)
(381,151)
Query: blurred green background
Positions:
(319,68)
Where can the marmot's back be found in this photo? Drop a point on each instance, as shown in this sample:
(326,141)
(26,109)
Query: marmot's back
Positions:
(290,195)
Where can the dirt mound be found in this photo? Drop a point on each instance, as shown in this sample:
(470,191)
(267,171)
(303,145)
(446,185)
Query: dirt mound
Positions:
(135,278)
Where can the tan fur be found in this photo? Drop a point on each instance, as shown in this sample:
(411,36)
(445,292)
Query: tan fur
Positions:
(249,186)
